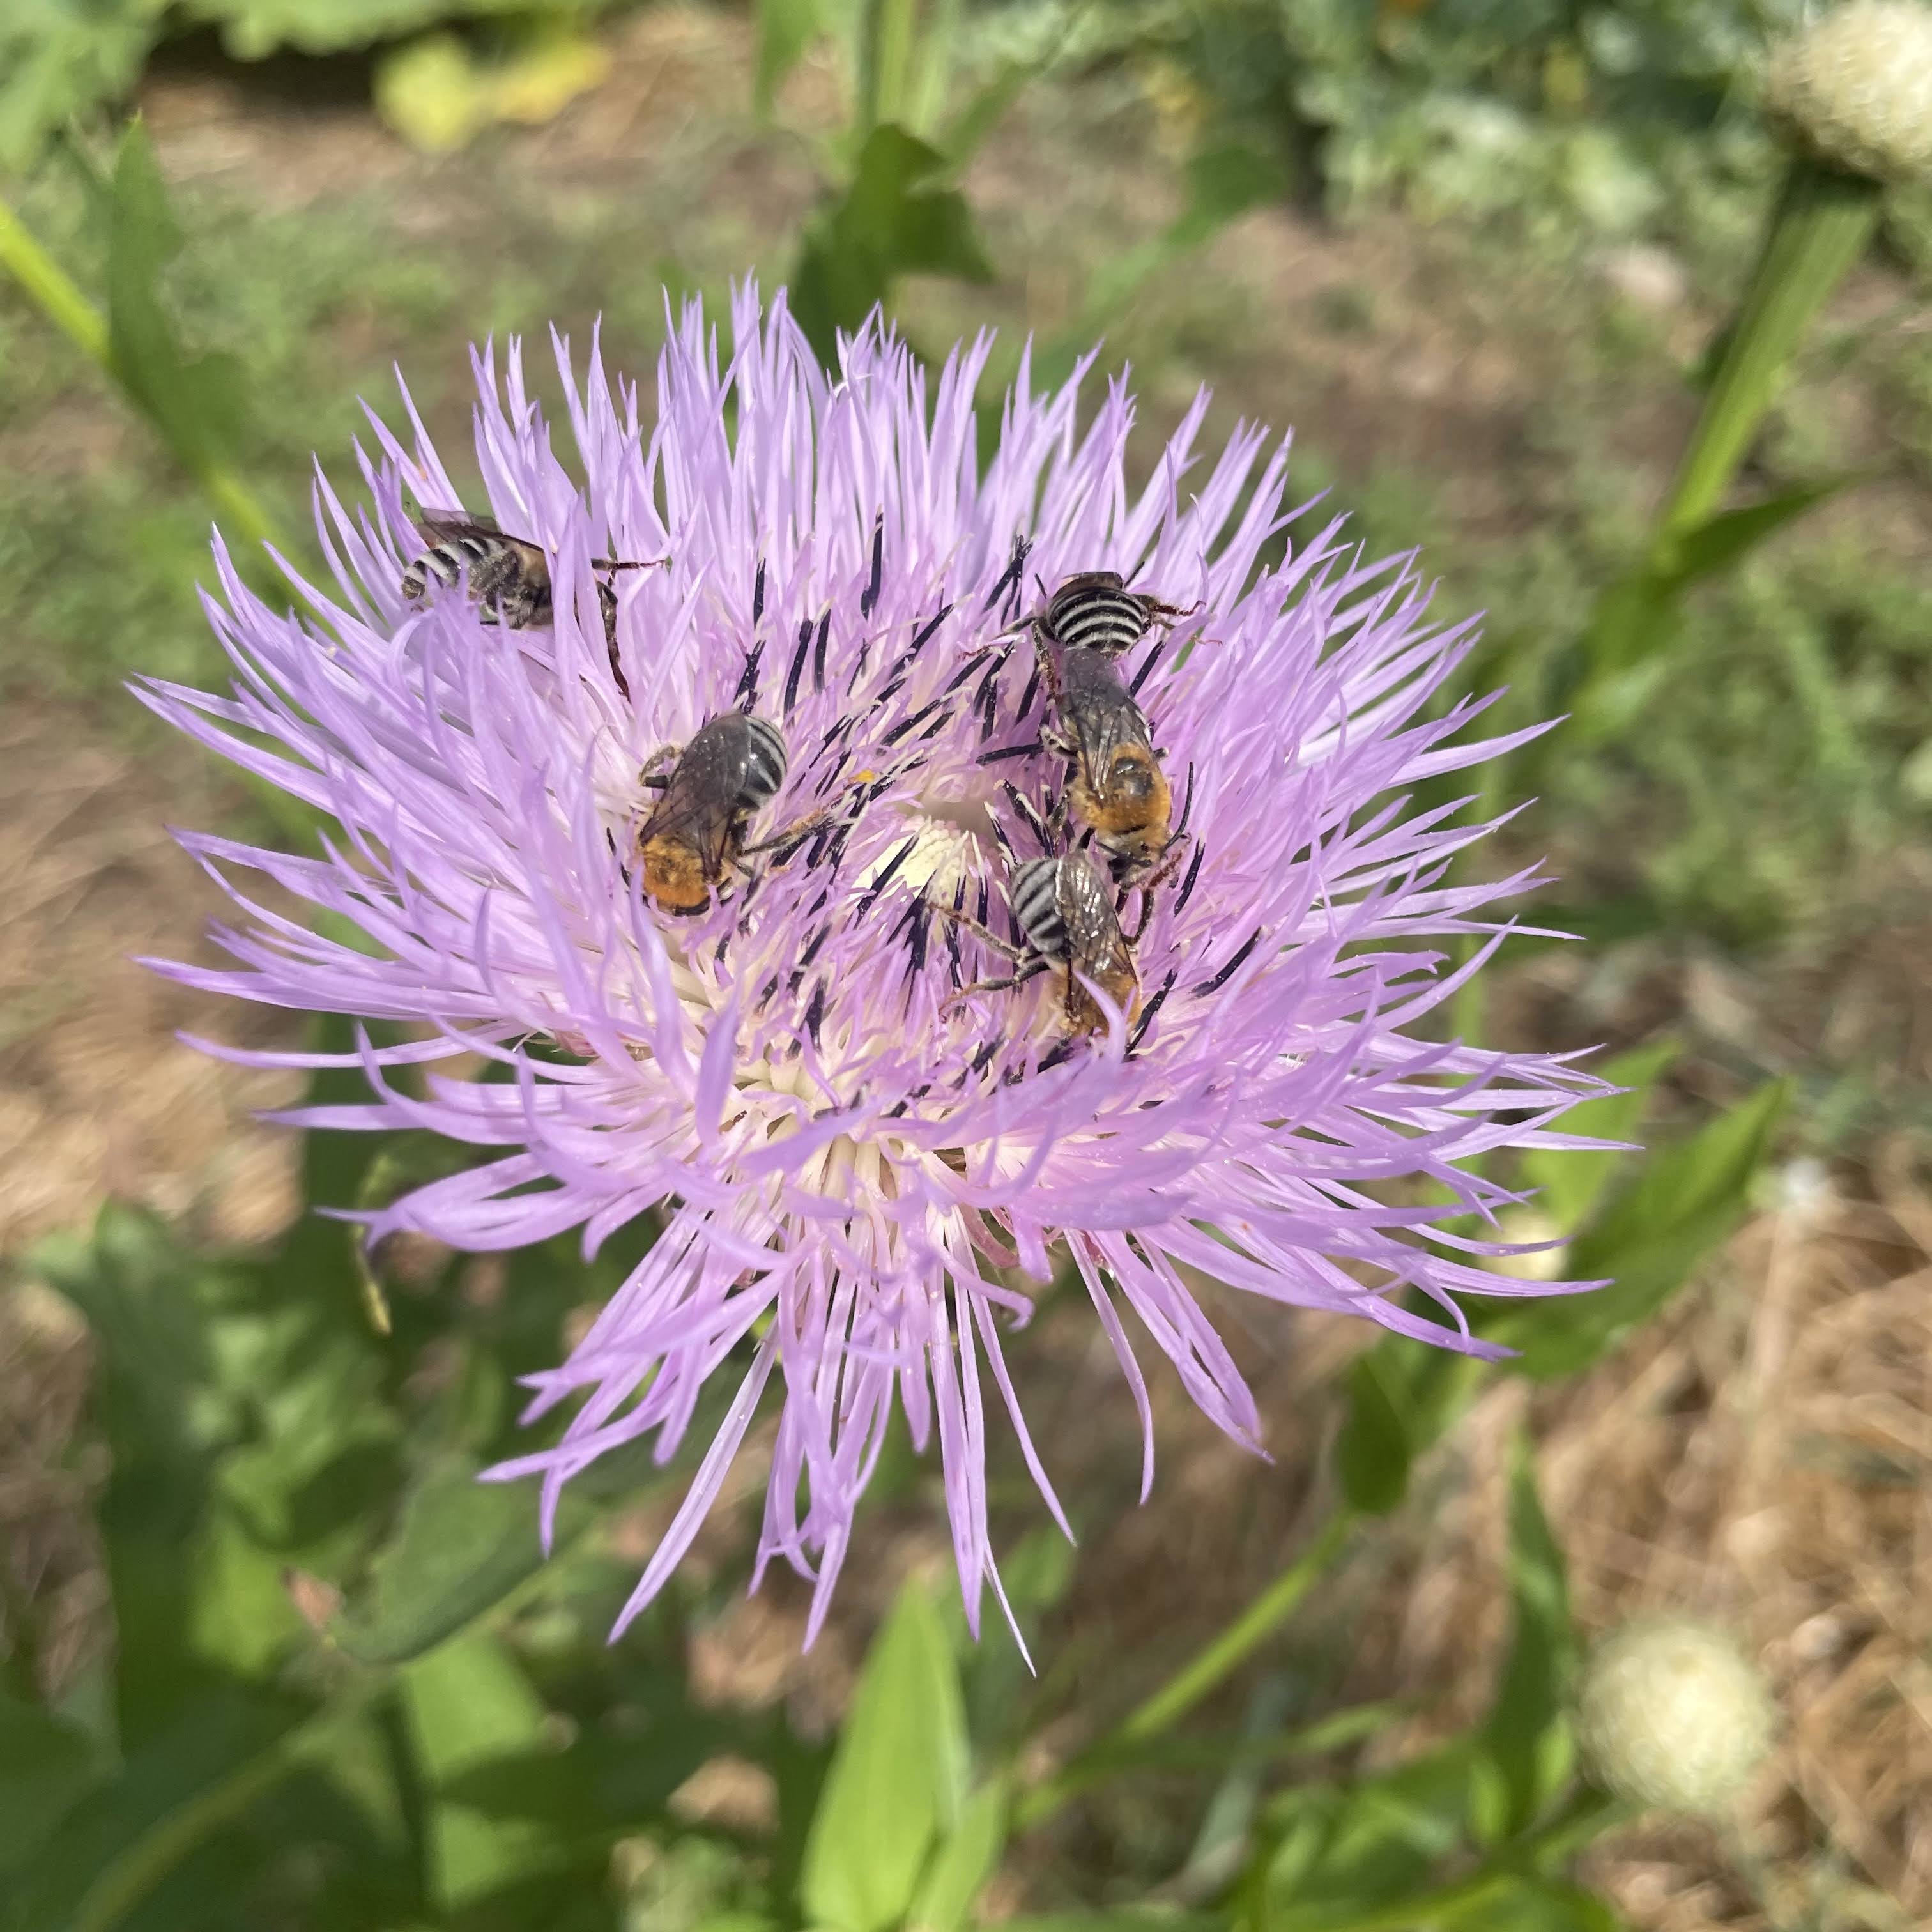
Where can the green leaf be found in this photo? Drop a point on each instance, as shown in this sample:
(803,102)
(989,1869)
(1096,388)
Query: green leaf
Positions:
(1650,1240)
(459,1547)
(1326,1850)
(1542,1905)
(1571,1184)
(894,220)
(1400,1398)
(127,1837)
(470,1704)
(1373,1450)
(967,1857)
(47,1766)
(196,403)
(1527,1733)
(1726,539)
(1223,183)
(898,1777)
(999,1683)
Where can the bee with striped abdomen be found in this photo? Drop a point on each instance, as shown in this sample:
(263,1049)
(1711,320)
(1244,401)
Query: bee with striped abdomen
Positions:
(1063,908)
(1115,785)
(694,834)
(1094,611)
(506,573)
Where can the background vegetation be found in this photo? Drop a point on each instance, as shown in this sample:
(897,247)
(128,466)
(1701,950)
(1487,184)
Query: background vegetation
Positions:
(272,1660)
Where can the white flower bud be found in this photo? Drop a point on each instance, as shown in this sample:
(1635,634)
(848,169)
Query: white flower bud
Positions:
(1672,1715)
(1856,88)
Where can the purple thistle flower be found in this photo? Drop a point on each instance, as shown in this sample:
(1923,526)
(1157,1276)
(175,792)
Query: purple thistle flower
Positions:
(850,1164)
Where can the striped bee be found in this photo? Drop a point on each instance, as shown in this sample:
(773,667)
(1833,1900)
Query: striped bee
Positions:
(1064,910)
(1115,785)
(694,834)
(506,573)
(1094,611)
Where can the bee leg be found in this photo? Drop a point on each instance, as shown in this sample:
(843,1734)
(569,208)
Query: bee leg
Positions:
(1032,969)
(1060,745)
(628,563)
(792,833)
(1004,946)
(1172,613)
(1164,870)
(1049,670)
(648,775)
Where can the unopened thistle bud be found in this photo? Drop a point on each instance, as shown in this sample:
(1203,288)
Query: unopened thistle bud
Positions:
(1672,1715)
(1855,90)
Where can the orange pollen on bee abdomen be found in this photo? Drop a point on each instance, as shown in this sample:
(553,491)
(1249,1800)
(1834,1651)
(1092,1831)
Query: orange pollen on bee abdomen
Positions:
(1136,798)
(1084,1012)
(674,874)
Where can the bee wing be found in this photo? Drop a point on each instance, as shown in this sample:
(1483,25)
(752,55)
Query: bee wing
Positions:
(700,805)
(483,529)
(1101,721)
(453,525)
(1094,940)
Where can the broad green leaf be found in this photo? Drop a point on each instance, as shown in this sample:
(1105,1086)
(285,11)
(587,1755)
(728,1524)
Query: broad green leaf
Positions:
(894,219)
(195,403)
(1649,1240)
(1373,1450)
(1527,1733)
(147,1304)
(47,1766)
(460,1546)
(1401,1397)
(1634,619)
(613,1776)
(967,1857)
(1223,183)
(470,1704)
(898,1777)
(242,1615)
(1571,1184)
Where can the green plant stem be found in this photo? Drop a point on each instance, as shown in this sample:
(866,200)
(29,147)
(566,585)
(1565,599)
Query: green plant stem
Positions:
(1820,227)
(1204,1673)
(48,285)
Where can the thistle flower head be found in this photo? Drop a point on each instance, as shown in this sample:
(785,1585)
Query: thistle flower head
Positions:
(858,1171)
(1671,1714)
(1854,88)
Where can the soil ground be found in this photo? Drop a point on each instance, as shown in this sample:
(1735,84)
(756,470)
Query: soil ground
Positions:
(1759,1457)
